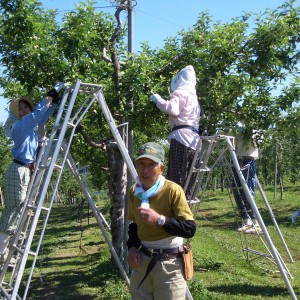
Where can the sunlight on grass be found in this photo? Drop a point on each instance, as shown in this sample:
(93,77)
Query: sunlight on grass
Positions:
(75,262)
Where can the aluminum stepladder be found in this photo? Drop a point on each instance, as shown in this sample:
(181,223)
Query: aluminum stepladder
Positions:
(123,150)
(35,212)
(213,152)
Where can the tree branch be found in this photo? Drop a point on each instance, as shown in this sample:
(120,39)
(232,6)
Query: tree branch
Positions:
(100,144)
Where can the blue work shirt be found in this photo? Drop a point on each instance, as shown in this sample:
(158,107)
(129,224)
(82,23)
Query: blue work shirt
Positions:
(24,132)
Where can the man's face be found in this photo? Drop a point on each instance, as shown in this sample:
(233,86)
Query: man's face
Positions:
(148,171)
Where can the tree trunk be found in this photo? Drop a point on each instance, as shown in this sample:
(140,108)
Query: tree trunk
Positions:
(281,187)
(213,182)
(1,198)
(222,182)
(117,190)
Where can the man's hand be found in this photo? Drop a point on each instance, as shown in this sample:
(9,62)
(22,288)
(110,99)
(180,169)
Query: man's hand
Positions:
(148,215)
(134,257)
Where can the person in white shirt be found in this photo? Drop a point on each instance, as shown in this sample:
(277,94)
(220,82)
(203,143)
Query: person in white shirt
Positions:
(247,153)
(184,113)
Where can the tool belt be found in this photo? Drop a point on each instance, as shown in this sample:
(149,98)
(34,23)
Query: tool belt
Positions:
(159,254)
(163,254)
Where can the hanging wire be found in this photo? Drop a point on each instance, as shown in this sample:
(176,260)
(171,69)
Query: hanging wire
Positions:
(159,18)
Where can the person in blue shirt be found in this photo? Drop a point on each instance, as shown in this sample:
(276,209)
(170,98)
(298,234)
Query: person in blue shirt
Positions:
(22,127)
(295,215)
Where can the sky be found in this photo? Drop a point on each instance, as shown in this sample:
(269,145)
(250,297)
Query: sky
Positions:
(155,20)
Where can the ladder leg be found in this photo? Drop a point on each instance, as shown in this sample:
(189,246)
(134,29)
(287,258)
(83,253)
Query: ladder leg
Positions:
(213,142)
(259,219)
(274,220)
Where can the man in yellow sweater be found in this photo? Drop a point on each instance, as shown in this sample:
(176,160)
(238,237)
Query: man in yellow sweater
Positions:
(161,219)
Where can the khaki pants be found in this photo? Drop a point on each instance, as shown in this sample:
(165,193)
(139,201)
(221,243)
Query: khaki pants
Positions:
(165,282)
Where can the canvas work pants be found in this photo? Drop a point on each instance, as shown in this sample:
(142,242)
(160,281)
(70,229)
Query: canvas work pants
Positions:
(165,282)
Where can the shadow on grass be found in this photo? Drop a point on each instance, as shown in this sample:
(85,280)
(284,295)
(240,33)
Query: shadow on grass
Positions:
(250,289)
(224,220)
(77,283)
(289,188)
(67,227)
(71,272)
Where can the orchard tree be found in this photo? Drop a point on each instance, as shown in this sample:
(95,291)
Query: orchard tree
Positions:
(238,70)
(82,47)
(283,141)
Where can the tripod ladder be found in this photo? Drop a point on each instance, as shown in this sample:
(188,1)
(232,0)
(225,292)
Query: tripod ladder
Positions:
(213,152)
(36,211)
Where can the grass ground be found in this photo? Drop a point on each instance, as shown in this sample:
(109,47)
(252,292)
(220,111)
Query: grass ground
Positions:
(223,268)
(75,262)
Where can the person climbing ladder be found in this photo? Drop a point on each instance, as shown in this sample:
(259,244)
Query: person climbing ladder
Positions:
(22,126)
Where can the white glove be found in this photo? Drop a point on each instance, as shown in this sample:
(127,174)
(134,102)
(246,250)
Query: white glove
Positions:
(155,98)
(59,85)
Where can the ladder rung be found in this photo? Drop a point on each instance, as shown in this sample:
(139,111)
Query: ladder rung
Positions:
(30,206)
(34,208)
(20,250)
(57,166)
(32,253)
(195,170)
(194,201)
(6,290)
(43,166)
(17,248)
(123,124)
(71,124)
(57,127)
(257,252)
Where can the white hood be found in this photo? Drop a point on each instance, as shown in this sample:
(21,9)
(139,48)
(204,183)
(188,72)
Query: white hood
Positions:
(185,80)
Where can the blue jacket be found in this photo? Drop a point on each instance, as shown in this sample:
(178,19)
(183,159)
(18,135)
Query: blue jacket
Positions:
(24,132)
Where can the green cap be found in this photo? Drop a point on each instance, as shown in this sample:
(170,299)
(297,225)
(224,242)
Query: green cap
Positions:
(152,151)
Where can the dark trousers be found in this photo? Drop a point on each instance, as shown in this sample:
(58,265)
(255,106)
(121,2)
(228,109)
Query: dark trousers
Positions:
(180,161)
(248,168)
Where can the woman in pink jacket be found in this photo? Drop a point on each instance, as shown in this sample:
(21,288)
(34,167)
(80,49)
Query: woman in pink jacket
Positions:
(184,111)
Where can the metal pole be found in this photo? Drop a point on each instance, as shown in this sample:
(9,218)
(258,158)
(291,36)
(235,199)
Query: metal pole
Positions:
(273,219)
(129,137)
(97,214)
(130,52)
(275,173)
(130,26)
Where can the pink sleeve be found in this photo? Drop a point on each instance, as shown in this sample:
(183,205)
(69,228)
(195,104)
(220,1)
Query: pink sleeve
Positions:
(173,106)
